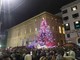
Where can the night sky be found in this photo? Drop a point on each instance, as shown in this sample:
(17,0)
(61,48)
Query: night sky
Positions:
(29,8)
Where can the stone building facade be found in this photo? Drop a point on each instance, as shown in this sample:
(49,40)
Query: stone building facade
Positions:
(27,31)
(71,21)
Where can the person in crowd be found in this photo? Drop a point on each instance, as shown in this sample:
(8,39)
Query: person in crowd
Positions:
(53,57)
(78,54)
(38,54)
(28,56)
(17,56)
(59,56)
(72,54)
(69,55)
(12,56)
(43,57)
(23,55)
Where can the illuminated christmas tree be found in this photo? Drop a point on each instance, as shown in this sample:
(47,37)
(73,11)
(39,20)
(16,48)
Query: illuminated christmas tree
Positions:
(45,37)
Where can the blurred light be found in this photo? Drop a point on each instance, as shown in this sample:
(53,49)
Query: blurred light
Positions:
(35,29)
(77,22)
(0,46)
(11,4)
(0,5)
(43,18)
(8,1)
(66,24)
(74,8)
(60,29)
(0,2)
(63,30)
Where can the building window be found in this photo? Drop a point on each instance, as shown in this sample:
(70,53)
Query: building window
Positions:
(65,18)
(77,24)
(60,29)
(35,29)
(74,8)
(75,15)
(63,30)
(64,11)
(68,35)
(67,26)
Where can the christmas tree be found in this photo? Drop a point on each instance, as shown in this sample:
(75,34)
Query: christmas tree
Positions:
(45,37)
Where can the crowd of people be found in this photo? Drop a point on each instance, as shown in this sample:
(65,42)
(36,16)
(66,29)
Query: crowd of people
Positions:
(23,53)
